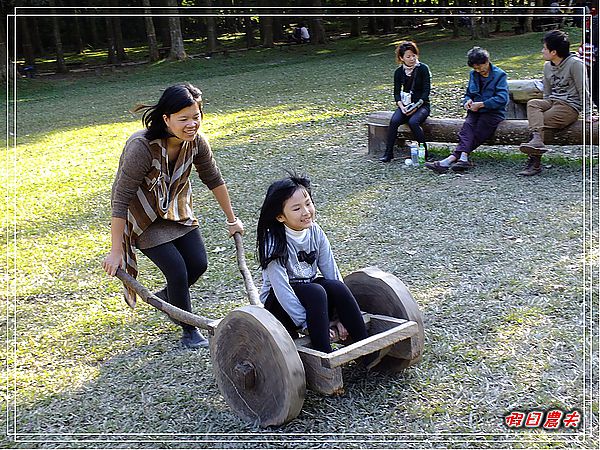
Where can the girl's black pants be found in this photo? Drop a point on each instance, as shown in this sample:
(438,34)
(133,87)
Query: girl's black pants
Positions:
(322,299)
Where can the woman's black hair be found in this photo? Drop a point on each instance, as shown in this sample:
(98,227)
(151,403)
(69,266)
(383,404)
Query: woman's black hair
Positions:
(403,48)
(172,100)
(558,41)
(271,243)
(477,55)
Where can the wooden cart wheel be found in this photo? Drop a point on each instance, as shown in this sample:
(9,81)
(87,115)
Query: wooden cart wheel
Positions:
(257,367)
(379,292)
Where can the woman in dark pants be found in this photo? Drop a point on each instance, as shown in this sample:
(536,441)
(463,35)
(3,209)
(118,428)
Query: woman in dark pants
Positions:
(412,83)
(151,199)
(485,102)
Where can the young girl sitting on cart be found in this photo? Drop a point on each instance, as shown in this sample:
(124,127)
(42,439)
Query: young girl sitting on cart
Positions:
(291,247)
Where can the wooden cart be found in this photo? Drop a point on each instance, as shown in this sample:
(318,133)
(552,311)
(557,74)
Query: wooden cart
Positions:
(263,373)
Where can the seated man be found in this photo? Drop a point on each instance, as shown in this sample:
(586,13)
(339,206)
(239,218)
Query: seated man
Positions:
(565,96)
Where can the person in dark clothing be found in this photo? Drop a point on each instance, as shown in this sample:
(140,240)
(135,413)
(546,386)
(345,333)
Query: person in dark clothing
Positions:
(151,199)
(412,84)
(485,102)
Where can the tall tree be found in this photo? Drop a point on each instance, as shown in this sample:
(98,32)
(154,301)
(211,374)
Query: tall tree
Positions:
(266,25)
(26,44)
(3,74)
(372,27)
(110,42)
(354,21)
(317,30)
(177,48)
(150,33)
(77,37)
(388,21)
(38,46)
(278,33)
(249,32)
(266,29)
(93,27)
(211,29)
(118,34)
(61,66)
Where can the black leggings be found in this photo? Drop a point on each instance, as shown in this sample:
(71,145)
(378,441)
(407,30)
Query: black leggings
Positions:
(414,122)
(321,299)
(182,261)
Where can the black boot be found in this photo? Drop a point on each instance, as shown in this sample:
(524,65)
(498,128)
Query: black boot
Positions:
(387,156)
(192,338)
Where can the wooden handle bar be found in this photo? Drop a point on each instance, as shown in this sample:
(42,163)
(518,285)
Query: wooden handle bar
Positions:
(184,316)
(170,310)
(248,281)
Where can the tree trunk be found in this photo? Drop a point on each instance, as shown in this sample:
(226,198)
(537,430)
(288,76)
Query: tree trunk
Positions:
(266,31)
(38,46)
(121,55)
(28,53)
(317,30)
(79,47)
(93,26)
(163,31)
(354,21)
(110,40)
(177,52)
(150,33)
(498,20)
(211,29)
(3,74)
(528,21)
(249,29)
(61,66)
(278,34)
(372,28)
(355,27)
(388,21)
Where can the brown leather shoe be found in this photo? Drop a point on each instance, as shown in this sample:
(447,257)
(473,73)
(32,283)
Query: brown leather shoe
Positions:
(535,146)
(461,166)
(435,166)
(533,167)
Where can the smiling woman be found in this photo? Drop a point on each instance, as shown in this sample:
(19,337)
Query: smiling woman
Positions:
(152,203)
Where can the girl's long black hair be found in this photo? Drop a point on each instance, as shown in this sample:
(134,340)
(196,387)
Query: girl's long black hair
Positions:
(172,100)
(271,243)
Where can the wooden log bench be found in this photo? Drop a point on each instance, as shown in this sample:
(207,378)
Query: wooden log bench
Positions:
(512,131)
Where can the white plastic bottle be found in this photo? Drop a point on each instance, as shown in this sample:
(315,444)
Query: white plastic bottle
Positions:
(414,153)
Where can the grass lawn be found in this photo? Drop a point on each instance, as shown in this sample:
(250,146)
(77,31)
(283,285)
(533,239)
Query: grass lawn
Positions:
(495,262)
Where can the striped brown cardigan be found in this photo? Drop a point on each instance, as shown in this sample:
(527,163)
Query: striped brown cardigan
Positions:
(164,195)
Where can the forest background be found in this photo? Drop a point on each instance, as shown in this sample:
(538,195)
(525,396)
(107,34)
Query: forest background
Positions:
(56,35)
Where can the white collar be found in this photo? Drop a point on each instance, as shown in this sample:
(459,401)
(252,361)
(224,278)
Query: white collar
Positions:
(298,234)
